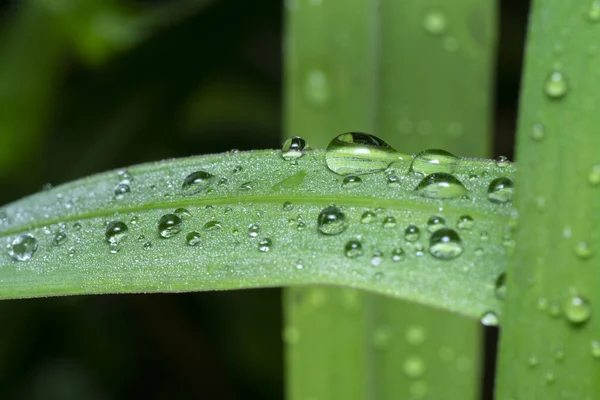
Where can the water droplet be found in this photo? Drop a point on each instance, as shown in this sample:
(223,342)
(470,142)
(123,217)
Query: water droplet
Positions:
(389,222)
(331,221)
(238,169)
(538,132)
(593,14)
(435,222)
(489,319)
(368,217)
(419,249)
(577,309)
(212,226)
(441,185)
(550,377)
(116,232)
(76,226)
(451,44)
(500,190)
(359,153)
(265,244)
(595,347)
(147,245)
(433,160)
(583,250)
(121,190)
(253,230)
(393,181)
(23,247)
(500,287)
(193,238)
(353,249)
(415,335)
(414,367)
(169,225)
(196,182)
(299,264)
(376,260)
(293,148)
(542,304)
(435,22)
(398,254)
(554,309)
(556,85)
(412,233)
(502,162)
(465,222)
(594,175)
(351,181)
(317,88)
(288,206)
(182,212)
(533,361)
(59,238)
(559,354)
(246,186)
(445,244)
(381,337)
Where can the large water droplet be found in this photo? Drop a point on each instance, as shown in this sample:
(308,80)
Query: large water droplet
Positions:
(489,319)
(359,153)
(556,85)
(445,244)
(23,247)
(116,232)
(196,182)
(500,190)
(434,160)
(435,222)
(441,185)
(367,217)
(169,225)
(317,88)
(435,22)
(412,233)
(193,239)
(293,148)
(331,221)
(577,309)
(265,245)
(502,162)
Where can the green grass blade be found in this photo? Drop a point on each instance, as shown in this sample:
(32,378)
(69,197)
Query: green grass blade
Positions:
(550,344)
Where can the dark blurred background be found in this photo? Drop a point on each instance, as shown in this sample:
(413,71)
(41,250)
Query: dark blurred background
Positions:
(91,85)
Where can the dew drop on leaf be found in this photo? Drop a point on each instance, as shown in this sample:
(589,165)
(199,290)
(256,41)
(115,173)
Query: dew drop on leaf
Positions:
(351,181)
(533,361)
(593,14)
(238,169)
(445,244)
(393,181)
(577,310)
(415,335)
(265,245)
(412,233)
(500,190)
(538,132)
(196,182)
(317,88)
(435,222)
(59,238)
(502,162)
(169,225)
(121,190)
(500,286)
(253,230)
(433,160)
(182,212)
(116,232)
(193,238)
(583,250)
(441,185)
(489,319)
(594,175)
(23,247)
(368,217)
(556,85)
(376,259)
(389,222)
(288,206)
(435,22)
(331,221)
(147,245)
(212,226)
(293,148)
(595,348)
(465,222)
(414,367)
(359,153)
(398,254)
(559,354)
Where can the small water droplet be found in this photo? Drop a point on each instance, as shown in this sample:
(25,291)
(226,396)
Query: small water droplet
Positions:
(550,377)
(237,169)
(331,221)
(76,226)
(147,245)
(559,354)
(500,287)
(23,247)
(299,264)
(583,250)
(489,319)
(415,335)
(556,85)
(435,222)
(359,153)
(389,222)
(182,212)
(212,226)
(121,190)
(377,259)
(577,310)
(116,232)
(253,230)
(351,181)
(59,238)
(265,244)
(593,14)
(554,309)
(196,182)
(393,181)
(317,88)
(169,225)
(435,22)
(381,337)
(247,186)
(502,162)
(414,367)
(595,347)
(532,360)
(594,175)
(398,254)
(293,148)
(500,190)
(193,238)
(465,222)
(445,244)
(412,233)
(542,304)
(538,132)
(353,249)
(433,160)
(71,252)
(288,206)
(368,217)
(441,185)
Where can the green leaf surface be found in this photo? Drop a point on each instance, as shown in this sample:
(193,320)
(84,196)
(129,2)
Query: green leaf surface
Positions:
(247,188)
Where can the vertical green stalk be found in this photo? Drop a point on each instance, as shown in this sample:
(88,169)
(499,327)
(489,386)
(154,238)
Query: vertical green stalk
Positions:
(550,344)
(417,74)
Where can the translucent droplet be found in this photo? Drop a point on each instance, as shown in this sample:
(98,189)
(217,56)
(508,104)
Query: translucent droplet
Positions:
(116,232)
(538,132)
(196,182)
(595,347)
(500,286)
(593,14)
(502,162)
(182,212)
(594,175)
(23,247)
(237,169)
(212,226)
(193,238)
(583,250)
(465,222)
(435,22)
(376,258)
(389,222)
(288,206)
(500,190)
(351,181)
(331,221)
(59,238)
(121,190)
(533,361)
(550,377)
(265,244)
(393,181)
(445,244)
(412,233)
(435,222)
(398,254)
(556,85)
(577,309)
(434,160)
(368,217)
(359,153)
(415,335)
(441,185)
(489,319)
(293,148)
(414,367)
(169,225)
(559,354)
(253,230)
(317,88)
(381,337)
(247,186)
